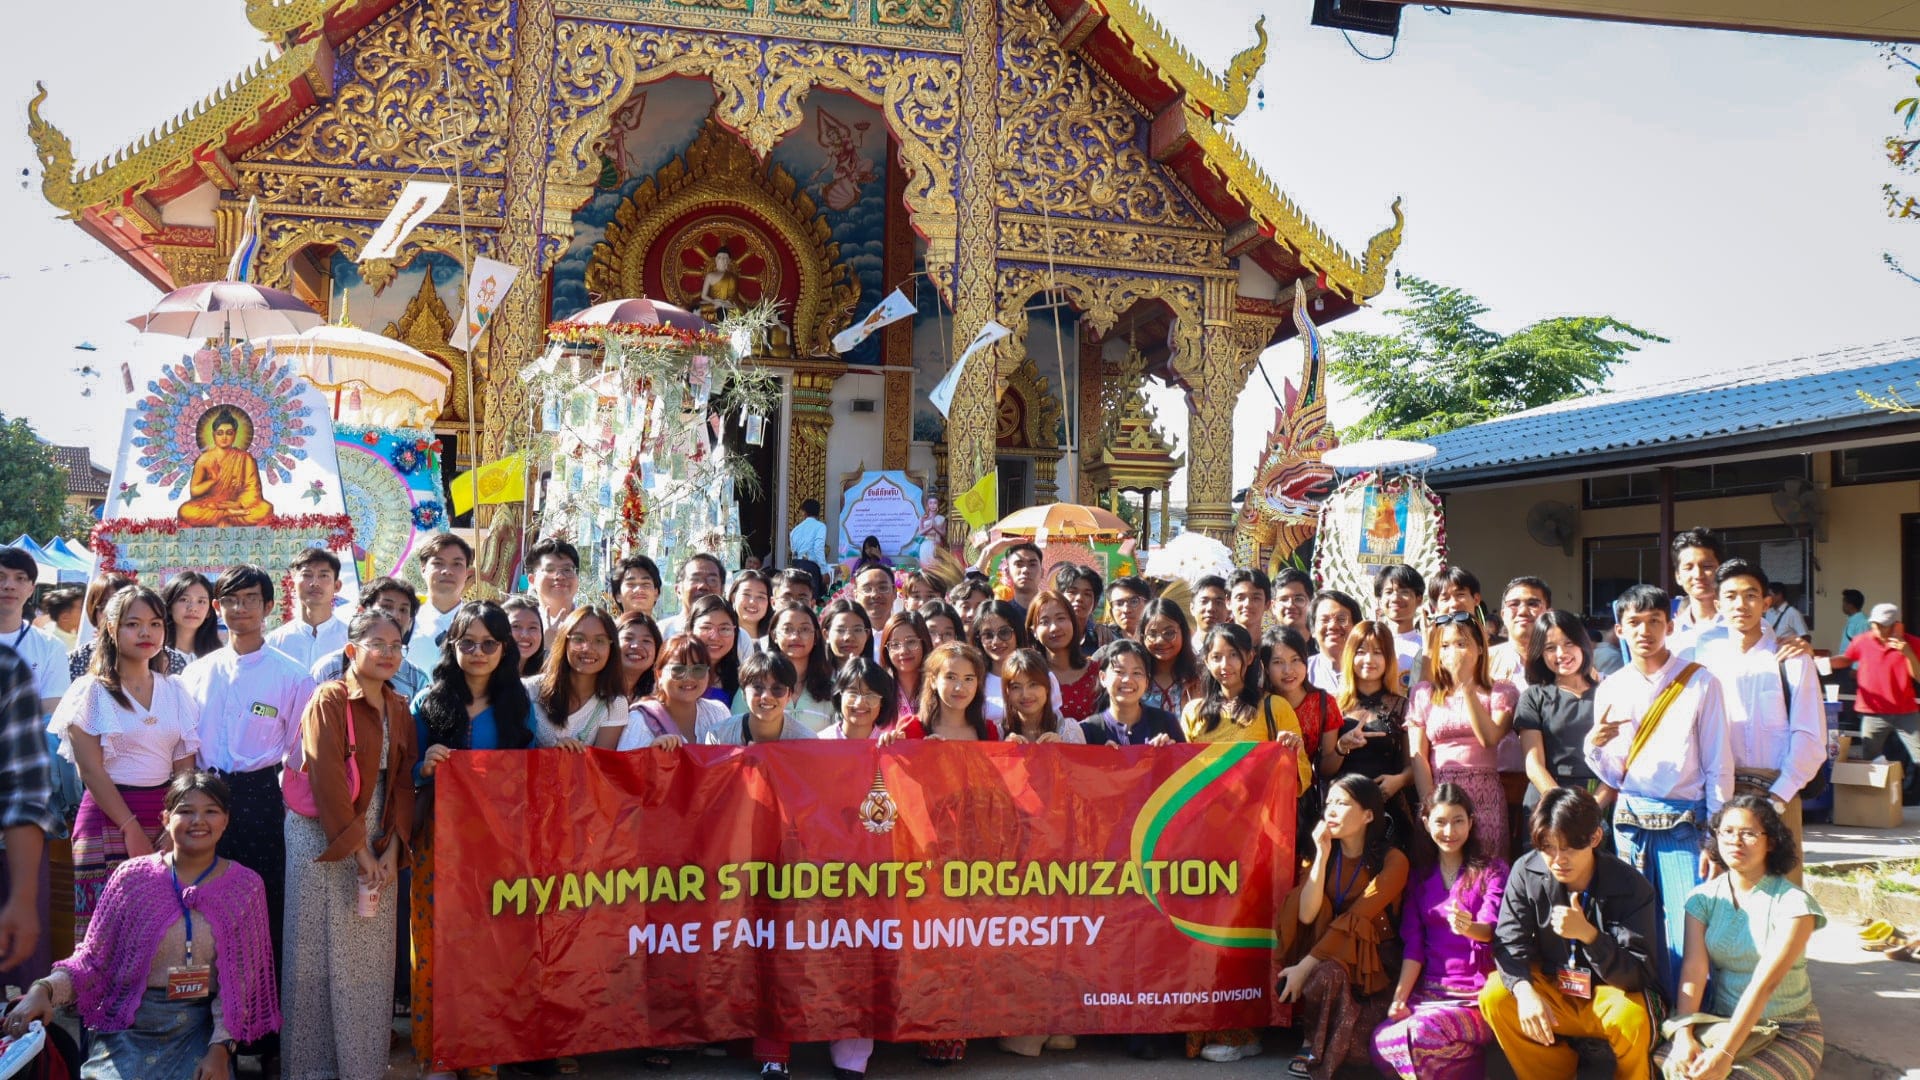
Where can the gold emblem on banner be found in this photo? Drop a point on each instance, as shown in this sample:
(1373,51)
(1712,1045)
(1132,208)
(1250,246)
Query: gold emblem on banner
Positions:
(877,811)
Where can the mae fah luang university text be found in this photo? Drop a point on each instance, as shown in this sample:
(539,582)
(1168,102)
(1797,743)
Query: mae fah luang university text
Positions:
(1063,166)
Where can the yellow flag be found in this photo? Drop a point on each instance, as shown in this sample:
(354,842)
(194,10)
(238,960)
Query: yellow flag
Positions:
(980,504)
(501,481)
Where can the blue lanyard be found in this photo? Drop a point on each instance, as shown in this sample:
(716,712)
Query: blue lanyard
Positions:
(1341,890)
(22,635)
(181,896)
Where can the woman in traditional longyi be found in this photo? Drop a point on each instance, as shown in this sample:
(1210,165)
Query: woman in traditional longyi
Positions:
(226,483)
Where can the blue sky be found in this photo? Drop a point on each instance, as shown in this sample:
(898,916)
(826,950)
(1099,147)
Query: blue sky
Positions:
(1719,189)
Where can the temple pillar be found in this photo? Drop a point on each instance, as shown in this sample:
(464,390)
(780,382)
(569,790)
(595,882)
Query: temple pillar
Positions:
(1091,422)
(896,340)
(1229,347)
(812,422)
(971,423)
(516,332)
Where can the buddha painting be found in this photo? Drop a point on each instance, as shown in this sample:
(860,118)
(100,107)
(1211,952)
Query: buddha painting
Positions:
(1385,536)
(225,486)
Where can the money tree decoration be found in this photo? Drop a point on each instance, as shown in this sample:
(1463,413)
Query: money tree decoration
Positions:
(631,426)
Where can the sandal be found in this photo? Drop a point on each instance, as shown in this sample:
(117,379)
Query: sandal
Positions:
(1908,952)
(657,1060)
(1302,1064)
(566,1066)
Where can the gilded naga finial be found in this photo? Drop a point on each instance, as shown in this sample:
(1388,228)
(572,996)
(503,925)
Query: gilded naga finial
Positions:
(1246,66)
(281,21)
(1380,252)
(55,151)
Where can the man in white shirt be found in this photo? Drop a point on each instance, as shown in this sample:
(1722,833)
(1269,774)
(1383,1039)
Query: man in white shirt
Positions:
(41,650)
(251,698)
(808,540)
(315,630)
(553,577)
(1397,592)
(1776,719)
(1335,614)
(447,562)
(1783,618)
(1673,777)
(47,658)
(700,574)
(1526,599)
(1697,555)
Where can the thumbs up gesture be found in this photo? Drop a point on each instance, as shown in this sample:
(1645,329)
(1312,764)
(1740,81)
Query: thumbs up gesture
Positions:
(1570,921)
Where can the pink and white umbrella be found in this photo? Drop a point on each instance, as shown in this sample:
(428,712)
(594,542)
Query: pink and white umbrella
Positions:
(230,310)
(642,312)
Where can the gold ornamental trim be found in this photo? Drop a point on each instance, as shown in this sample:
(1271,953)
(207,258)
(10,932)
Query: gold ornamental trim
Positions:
(1356,279)
(137,165)
(1154,45)
(280,20)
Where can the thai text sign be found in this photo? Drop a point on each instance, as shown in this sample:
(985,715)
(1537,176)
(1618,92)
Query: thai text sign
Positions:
(820,890)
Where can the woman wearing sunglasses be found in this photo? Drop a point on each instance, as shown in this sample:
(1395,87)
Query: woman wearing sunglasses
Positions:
(475,702)
(679,711)
(1455,722)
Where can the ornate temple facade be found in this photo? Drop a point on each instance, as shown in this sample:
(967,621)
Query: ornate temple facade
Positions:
(1063,166)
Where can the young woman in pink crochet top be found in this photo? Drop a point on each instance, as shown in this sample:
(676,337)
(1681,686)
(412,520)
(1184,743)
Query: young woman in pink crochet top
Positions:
(177,964)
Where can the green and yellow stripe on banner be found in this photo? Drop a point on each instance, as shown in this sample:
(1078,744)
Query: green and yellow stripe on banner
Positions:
(1166,802)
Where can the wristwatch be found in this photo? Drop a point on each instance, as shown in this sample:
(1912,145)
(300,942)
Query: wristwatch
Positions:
(232,1048)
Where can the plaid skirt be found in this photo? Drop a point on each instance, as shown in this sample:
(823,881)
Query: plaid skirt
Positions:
(99,847)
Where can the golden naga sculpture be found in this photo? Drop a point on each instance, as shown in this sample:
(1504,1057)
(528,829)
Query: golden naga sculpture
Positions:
(205,123)
(1150,41)
(282,20)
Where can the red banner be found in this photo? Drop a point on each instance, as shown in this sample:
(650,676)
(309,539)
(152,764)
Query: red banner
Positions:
(821,890)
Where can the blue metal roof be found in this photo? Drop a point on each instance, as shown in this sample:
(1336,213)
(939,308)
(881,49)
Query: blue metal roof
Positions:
(1723,412)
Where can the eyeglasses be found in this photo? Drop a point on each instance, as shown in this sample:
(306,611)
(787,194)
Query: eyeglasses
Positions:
(1005,633)
(243,601)
(1452,618)
(685,671)
(483,646)
(856,698)
(902,645)
(1155,637)
(564,573)
(767,689)
(381,648)
(1745,836)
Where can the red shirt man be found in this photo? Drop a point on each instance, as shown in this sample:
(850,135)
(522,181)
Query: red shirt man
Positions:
(1886,662)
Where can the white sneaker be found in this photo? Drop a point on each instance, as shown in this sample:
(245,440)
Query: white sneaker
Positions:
(1223,1052)
(1023,1045)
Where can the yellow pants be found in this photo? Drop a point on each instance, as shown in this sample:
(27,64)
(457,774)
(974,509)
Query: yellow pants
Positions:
(1615,1015)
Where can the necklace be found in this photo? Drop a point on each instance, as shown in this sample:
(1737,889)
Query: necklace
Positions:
(1447,878)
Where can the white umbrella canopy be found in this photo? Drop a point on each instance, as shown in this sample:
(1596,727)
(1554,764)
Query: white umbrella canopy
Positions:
(228,310)
(372,378)
(1190,557)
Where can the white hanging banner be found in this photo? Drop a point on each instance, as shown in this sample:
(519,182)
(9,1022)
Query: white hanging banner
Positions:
(487,283)
(942,395)
(419,200)
(889,311)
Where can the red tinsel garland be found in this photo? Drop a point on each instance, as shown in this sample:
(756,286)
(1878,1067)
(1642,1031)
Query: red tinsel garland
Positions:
(574,333)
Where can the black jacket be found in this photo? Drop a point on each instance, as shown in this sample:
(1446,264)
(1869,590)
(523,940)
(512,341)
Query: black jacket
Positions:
(1627,954)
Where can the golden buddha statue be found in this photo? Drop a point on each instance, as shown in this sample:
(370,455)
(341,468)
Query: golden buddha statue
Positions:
(226,483)
(721,286)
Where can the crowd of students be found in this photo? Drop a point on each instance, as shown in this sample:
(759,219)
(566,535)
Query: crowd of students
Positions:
(1499,841)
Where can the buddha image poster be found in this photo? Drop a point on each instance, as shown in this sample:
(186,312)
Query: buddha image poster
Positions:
(227,457)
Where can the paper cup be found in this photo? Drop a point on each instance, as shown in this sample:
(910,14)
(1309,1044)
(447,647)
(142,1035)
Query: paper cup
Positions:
(1824,665)
(367,904)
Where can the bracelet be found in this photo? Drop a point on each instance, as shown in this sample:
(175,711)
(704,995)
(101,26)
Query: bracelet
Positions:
(132,819)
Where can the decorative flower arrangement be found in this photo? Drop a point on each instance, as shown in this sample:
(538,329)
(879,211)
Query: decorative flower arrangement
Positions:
(426,515)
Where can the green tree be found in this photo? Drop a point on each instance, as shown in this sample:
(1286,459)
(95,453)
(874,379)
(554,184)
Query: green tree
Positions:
(1442,370)
(33,490)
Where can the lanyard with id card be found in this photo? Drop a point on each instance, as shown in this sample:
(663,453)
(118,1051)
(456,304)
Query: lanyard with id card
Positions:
(189,981)
(1575,979)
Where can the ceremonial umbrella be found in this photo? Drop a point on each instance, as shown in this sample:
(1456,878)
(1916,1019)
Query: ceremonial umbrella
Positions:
(1190,557)
(377,380)
(1064,520)
(639,312)
(228,310)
